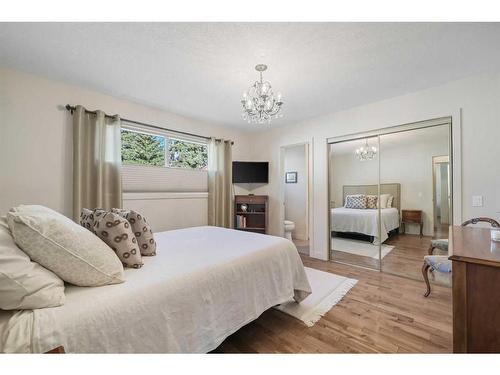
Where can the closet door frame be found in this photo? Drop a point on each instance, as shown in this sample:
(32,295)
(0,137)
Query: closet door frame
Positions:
(454,147)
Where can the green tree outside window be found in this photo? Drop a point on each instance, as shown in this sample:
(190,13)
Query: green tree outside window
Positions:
(142,149)
(187,154)
(148,149)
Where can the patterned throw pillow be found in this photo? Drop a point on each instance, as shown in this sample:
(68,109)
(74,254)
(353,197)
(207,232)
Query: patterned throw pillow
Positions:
(116,232)
(98,213)
(142,230)
(371,201)
(87,219)
(355,201)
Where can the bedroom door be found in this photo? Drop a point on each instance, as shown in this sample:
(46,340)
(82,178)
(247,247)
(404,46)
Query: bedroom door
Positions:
(354,234)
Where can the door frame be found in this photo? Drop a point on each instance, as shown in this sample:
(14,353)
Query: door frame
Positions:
(309,188)
(454,121)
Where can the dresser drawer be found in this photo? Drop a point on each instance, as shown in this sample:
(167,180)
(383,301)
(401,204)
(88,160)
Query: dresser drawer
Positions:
(412,216)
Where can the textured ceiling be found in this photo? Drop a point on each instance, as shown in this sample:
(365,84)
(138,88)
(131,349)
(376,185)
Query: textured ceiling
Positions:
(200,70)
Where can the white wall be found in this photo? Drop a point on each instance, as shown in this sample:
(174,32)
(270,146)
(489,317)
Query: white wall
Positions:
(296,194)
(405,158)
(479,99)
(36,141)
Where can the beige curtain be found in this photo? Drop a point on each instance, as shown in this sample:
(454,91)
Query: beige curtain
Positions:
(96,161)
(220,192)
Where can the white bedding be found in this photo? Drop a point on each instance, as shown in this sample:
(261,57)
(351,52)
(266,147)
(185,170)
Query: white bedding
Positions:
(365,221)
(204,284)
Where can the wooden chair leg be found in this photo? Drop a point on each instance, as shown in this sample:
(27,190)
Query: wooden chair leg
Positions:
(431,249)
(425,273)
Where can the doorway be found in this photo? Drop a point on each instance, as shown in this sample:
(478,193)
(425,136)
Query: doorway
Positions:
(441,195)
(295,188)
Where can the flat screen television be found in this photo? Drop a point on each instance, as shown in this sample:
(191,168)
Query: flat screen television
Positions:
(250,172)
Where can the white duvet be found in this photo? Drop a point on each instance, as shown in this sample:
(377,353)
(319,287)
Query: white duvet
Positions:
(365,221)
(204,284)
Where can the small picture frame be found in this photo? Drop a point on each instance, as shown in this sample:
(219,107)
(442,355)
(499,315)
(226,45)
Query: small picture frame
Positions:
(291,177)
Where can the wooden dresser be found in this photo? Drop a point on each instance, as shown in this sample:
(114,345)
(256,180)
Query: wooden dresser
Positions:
(476,290)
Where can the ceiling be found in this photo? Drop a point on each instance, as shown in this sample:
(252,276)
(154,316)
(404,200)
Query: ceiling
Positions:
(200,70)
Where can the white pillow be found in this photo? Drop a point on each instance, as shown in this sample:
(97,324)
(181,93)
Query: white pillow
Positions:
(382,202)
(25,284)
(70,251)
(389,201)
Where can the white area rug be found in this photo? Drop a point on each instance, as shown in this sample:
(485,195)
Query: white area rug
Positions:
(327,290)
(362,248)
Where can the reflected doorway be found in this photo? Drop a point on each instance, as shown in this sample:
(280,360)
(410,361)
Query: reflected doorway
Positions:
(441,195)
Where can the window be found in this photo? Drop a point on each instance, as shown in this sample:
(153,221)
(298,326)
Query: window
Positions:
(142,148)
(186,154)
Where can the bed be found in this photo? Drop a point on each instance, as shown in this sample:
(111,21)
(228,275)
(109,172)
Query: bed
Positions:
(366,221)
(204,284)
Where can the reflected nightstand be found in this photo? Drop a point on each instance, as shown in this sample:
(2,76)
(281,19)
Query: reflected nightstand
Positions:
(412,217)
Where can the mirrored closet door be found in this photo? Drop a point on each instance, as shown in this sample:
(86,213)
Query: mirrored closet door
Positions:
(418,161)
(354,193)
(390,195)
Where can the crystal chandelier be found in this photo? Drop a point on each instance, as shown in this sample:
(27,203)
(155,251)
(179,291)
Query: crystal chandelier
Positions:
(366,152)
(259,102)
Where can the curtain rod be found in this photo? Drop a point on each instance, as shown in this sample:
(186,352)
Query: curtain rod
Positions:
(73,108)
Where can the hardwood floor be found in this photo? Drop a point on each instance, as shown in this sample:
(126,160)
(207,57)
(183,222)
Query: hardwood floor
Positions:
(381,314)
(405,259)
(441,230)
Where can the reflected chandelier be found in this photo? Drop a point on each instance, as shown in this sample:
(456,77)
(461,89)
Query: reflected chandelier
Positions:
(259,102)
(366,152)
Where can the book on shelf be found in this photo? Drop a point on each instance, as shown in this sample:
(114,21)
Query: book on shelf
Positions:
(241,221)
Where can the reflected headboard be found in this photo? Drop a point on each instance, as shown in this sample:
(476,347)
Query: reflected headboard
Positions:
(393,189)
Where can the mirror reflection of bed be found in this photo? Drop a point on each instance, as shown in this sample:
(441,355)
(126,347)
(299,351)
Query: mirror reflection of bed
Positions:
(386,207)
(355,231)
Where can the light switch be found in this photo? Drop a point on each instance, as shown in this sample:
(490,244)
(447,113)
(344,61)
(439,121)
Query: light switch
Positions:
(477,201)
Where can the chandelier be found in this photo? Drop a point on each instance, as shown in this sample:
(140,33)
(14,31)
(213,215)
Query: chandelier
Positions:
(259,102)
(366,152)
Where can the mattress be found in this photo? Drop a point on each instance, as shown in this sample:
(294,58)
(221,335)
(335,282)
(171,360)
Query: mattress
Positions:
(365,221)
(204,284)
